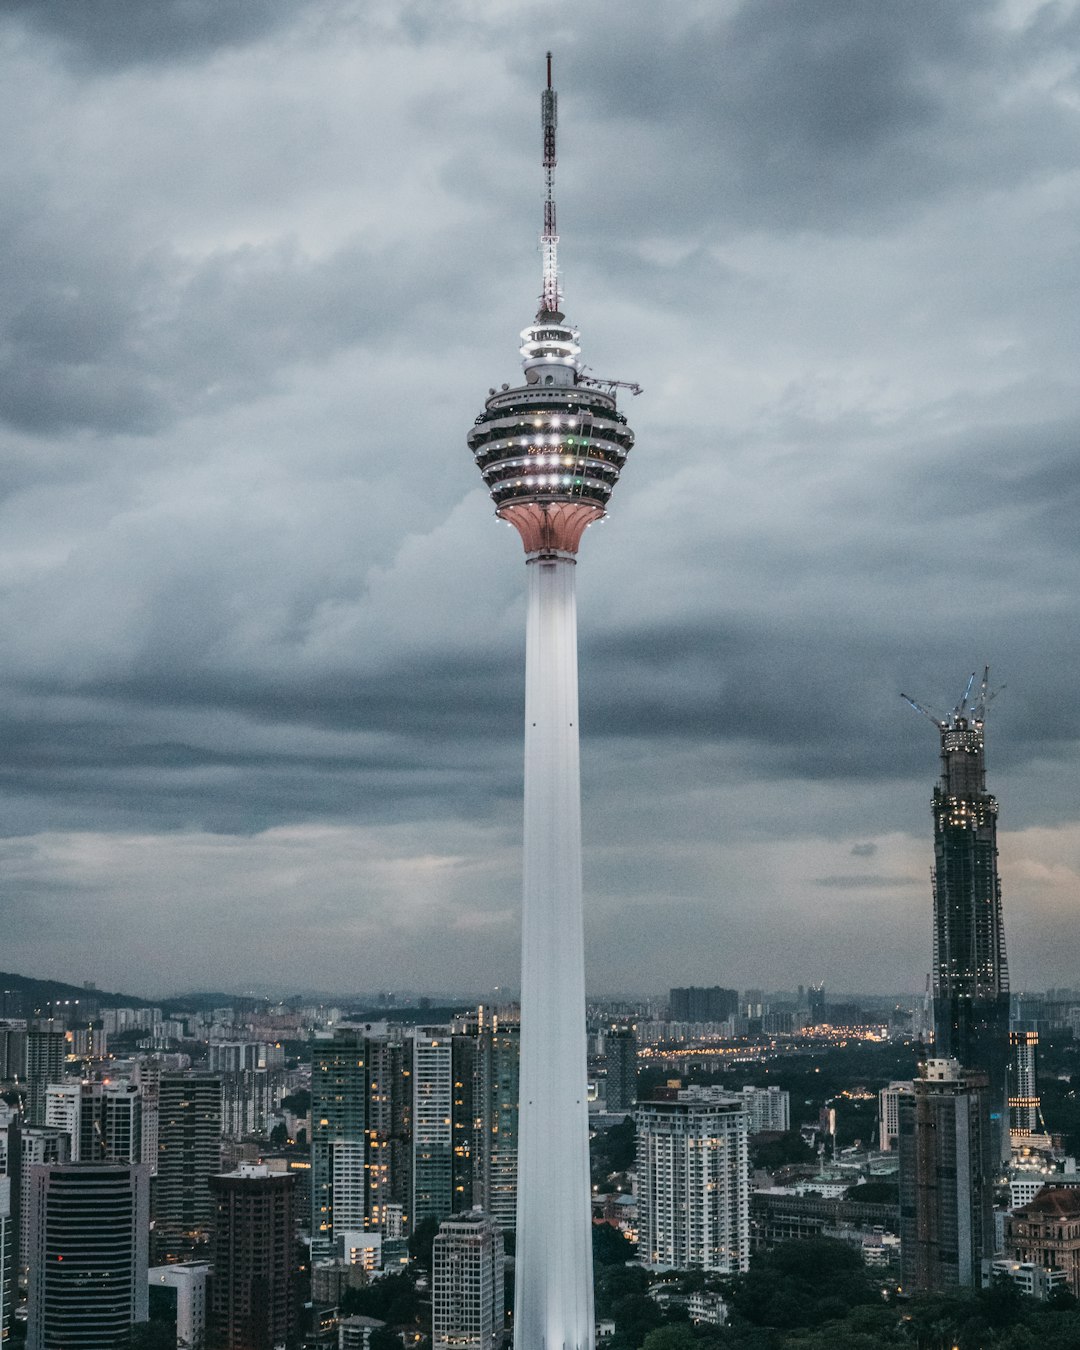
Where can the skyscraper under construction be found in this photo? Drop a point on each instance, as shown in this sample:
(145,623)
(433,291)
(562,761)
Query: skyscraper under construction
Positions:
(970,970)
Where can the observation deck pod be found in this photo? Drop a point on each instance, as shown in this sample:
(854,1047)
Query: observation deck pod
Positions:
(550,453)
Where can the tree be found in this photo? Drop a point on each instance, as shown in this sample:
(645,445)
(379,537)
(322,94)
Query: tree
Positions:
(610,1247)
(678,1336)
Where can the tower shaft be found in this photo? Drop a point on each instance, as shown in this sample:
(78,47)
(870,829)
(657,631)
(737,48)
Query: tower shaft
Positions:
(553,1293)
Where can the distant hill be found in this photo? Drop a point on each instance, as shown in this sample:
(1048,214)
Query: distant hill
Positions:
(23,996)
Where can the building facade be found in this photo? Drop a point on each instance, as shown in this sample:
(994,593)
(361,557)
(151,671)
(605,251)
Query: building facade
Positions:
(102,1120)
(189,1154)
(46,1057)
(947,1171)
(970,969)
(468,1284)
(693,1187)
(89,1225)
(889,1114)
(253,1294)
(620,1058)
(498,1065)
(767,1109)
(1046,1232)
(1025,1115)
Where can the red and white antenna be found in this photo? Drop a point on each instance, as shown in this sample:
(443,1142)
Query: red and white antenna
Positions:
(550,298)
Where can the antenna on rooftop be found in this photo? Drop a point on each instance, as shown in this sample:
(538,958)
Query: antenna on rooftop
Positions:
(550,298)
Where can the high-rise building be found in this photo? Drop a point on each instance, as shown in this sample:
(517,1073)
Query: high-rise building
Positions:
(389,1133)
(189,1154)
(36,1145)
(498,1067)
(467,1284)
(889,1113)
(433,1148)
(89,1224)
(8,1239)
(338,1135)
(463,1119)
(102,1120)
(46,1055)
(693,1183)
(696,1004)
(620,1058)
(551,451)
(1025,1114)
(947,1171)
(253,1297)
(12,1049)
(970,972)
(767,1109)
(183,1289)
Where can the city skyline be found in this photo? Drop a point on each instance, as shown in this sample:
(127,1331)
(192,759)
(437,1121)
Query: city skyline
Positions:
(252,699)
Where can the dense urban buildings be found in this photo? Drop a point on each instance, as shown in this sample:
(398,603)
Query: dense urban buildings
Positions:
(970,970)
(253,1294)
(550,452)
(87,1252)
(467,1284)
(947,1170)
(498,1064)
(693,1189)
(1046,1232)
(182,1290)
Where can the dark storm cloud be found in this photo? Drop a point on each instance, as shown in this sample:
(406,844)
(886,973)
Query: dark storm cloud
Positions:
(261,641)
(111,34)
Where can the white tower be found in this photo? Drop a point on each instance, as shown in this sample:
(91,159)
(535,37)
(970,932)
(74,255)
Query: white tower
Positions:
(551,451)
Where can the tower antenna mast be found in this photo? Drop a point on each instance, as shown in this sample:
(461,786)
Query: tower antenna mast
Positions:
(550,298)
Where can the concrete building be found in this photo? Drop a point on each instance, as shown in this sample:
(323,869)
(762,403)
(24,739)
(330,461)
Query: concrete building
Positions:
(767,1109)
(1025,1114)
(1033,1280)
(432,1161)
(189,1154)
(889,1114)
(89,1224)
(693,1186)
(971,972)
(695,1004)
(338,1136)
(46,1057)
(252,1301)
(184,1286)
(498,1065)
(947,1169)
(620,1058)
(36,1145)
(1046,1232)
(12,1049)
(354,1333)
(468,1284)
(8,1255)
(102,1120)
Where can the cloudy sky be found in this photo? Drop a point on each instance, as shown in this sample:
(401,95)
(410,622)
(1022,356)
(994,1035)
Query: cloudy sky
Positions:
(261,639)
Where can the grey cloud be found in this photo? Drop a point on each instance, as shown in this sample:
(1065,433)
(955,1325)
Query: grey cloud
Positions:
(868,881)
(863,850)
(111,34)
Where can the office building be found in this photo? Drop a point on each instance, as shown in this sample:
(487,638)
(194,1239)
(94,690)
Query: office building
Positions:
(388,1134)
(12,1049)
(767,1109)
(946,1178)
(432,1164)
(8,1256)
(467,1284)
(498,1065)
(693,1183)
(1025,1114)
(338,1136)
(970,973)
(550,452)
(889,1114)
(178,1295)
(102,1120)
(87,1254)
(189,1154)
(46,1056)
(35,1145)
(253,1296)
(620,1058)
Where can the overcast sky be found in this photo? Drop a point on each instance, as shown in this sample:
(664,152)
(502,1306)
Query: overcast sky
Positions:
(261,638)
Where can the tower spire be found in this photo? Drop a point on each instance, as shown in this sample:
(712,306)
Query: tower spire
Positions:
(550,296)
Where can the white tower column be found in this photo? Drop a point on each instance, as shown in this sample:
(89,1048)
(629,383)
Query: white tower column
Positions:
(554,1293)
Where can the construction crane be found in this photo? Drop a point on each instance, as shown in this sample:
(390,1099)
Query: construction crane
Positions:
(974,711)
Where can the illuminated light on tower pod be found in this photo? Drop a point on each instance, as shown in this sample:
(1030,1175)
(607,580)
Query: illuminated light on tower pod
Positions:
(550,452)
